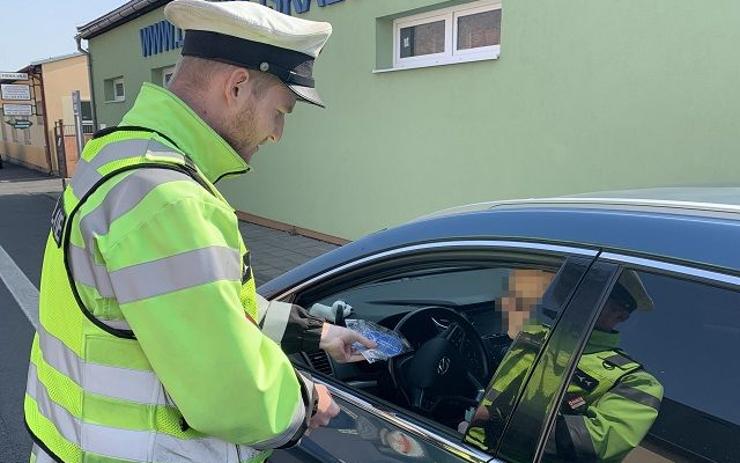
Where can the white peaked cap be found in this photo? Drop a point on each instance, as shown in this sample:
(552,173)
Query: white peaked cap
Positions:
(253,36)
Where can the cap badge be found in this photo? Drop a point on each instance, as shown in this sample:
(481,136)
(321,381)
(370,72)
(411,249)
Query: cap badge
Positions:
(264,66)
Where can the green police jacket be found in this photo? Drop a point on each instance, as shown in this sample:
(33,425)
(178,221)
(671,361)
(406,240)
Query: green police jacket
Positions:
(150,347)
(610,404)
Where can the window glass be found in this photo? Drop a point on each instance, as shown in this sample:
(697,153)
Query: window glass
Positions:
(86,109)
(658,377)
(498,300)
(118,90)
(423,39)
(479,30)
(167,74)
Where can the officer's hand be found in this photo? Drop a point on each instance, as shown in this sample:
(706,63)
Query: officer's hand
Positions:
(326,409)
(337,341)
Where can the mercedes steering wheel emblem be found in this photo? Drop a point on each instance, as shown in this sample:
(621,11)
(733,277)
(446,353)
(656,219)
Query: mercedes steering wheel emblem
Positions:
(443,366)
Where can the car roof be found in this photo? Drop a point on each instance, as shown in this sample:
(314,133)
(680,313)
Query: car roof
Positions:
(695,227)
(676,199)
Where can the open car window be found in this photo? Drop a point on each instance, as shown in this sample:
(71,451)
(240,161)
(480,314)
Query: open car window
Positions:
(438,297)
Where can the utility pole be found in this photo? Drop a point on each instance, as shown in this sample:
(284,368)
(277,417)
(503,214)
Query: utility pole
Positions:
(77,108)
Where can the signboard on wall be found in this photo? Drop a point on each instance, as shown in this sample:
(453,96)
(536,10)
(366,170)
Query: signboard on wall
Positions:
(13,76)
(163,36)
(15,92)
(295,6)
(10,109)
(19,123)
(160,37)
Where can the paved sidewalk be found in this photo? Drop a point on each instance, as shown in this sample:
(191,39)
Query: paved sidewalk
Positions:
(17,180)
(275,252)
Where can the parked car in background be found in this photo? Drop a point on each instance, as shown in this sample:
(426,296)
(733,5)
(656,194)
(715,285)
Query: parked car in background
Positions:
(508,306)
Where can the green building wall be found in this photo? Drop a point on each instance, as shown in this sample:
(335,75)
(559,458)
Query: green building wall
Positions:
(587,95)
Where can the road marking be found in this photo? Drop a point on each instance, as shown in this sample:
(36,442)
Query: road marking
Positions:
(24,292)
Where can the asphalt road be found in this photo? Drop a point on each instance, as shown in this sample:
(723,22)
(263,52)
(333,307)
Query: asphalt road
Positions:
(26,202)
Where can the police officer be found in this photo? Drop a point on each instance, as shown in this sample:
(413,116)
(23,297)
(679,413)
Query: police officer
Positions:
(153,345)
(611,401)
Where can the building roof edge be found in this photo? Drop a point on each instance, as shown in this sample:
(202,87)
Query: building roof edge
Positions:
(53,59)
(121,15)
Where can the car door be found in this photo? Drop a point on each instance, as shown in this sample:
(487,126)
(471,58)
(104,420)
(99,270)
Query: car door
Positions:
(655,379)
(473,278)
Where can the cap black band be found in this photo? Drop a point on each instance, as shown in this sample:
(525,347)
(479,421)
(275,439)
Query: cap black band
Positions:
(290,66)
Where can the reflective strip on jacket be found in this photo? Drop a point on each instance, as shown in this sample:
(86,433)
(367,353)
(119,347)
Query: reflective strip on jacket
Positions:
(161,359)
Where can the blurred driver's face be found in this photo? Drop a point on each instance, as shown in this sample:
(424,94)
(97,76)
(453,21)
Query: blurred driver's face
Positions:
(526,288)
(525,291)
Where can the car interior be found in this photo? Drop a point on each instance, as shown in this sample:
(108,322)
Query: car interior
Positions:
(452,317)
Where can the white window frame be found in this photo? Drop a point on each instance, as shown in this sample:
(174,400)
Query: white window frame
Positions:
(451,54)
(430,59)
(479,52)
(123,86)
(171,71)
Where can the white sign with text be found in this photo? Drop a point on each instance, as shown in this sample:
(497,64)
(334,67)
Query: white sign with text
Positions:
(10,109)
(13,76)
(15,92)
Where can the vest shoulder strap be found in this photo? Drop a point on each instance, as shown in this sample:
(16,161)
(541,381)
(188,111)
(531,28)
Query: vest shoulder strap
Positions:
(130,128)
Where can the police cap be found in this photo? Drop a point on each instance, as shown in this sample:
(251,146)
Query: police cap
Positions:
(253,36)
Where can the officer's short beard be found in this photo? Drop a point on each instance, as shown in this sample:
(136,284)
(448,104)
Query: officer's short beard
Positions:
(240,132)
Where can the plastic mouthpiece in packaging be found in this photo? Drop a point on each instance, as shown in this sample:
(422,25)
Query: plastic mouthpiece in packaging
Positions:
(389,343)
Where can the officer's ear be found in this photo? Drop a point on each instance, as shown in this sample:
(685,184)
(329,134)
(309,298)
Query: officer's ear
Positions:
(237,86)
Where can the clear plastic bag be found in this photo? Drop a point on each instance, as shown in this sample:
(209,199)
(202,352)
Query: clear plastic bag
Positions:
(389,342)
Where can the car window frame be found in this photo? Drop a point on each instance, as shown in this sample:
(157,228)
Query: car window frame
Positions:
(419,426)
(613,264)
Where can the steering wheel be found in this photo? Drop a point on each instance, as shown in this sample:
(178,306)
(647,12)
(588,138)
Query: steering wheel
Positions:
(442,365)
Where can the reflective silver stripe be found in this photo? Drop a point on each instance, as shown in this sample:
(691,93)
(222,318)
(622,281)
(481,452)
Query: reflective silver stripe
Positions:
(636,395)
(295,423)
(580,437)
(262,306)
(276,320)
(124,197)
(65,423)
(40,455)
(138,386)
(139,446)
(87,171)
(185,270)
(246,454)
(87,272)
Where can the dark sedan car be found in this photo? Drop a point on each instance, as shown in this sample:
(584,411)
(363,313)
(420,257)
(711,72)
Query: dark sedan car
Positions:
(568,329)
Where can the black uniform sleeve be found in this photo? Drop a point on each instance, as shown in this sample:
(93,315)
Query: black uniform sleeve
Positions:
(303,332)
